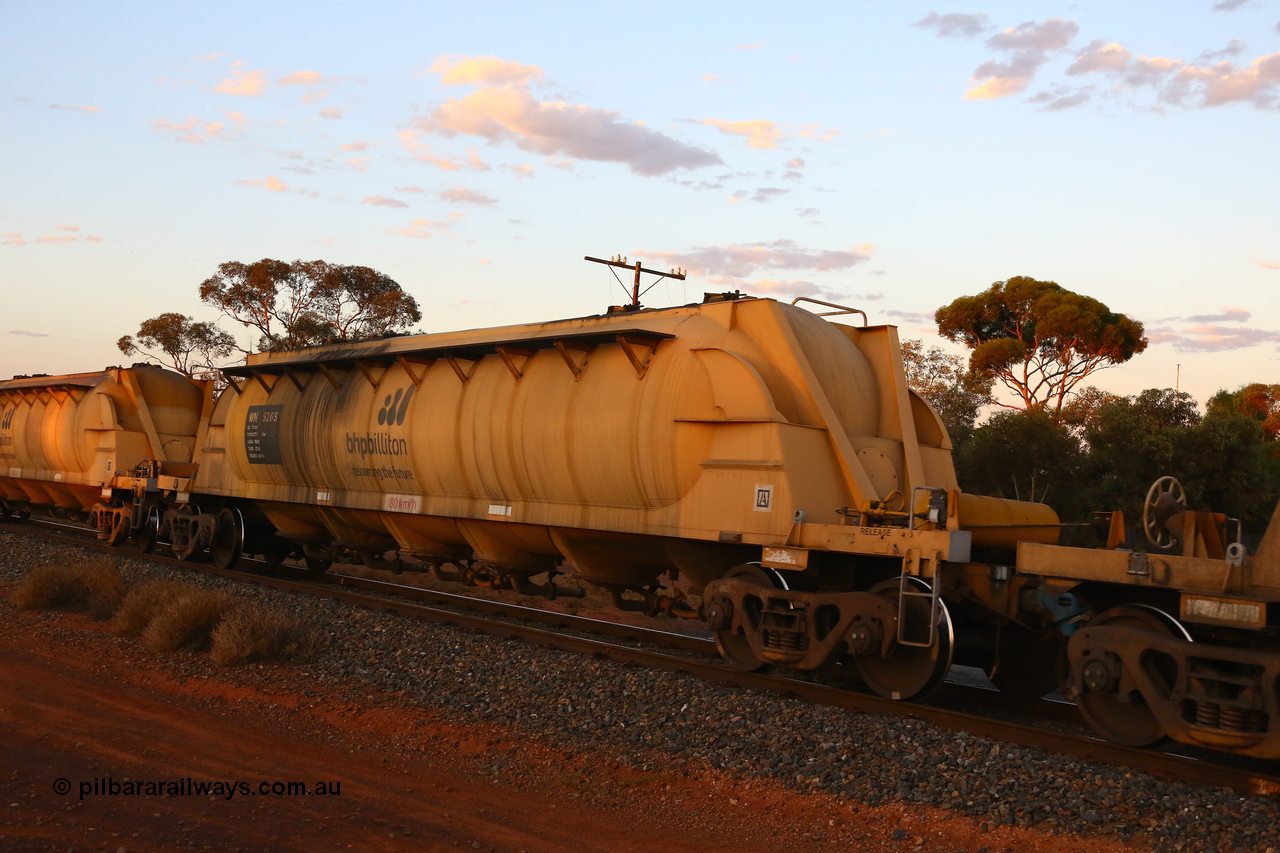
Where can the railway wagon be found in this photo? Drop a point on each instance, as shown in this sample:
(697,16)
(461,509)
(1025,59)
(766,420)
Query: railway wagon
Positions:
(773,458)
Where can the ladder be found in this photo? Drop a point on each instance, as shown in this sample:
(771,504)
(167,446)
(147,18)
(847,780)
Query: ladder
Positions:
(932,593)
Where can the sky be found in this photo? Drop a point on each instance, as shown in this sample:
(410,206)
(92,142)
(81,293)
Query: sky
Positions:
(886,156)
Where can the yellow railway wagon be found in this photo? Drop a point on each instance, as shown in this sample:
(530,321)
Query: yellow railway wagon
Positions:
(740,461)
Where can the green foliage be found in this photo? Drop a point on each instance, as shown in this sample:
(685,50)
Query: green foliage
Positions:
(956,393)
(307,303)
(1257,400)
(182,343)
(1039,339)
(1103,452)
(1026,455)
(1133,441)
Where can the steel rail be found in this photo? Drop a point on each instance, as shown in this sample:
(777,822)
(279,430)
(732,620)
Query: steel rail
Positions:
(619,630)
(1065,743)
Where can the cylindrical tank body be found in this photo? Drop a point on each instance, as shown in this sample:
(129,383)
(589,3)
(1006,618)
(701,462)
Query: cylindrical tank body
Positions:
(606,440)
(63,437)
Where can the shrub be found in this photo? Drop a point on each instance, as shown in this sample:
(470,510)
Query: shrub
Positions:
(253,633)
(188,621)
(144,602)
(94,588)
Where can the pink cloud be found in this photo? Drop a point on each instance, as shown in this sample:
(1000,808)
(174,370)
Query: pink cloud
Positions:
(1029,45)
(1213,338)
(194,130)
(738,260)
(954,24)
(760,133)
(247,84)
(420,229)
(90,110)
(485,70)
(462,195)
(509,113)
(271,184)
(383,201)
(333,112)
(301,78)
(421,152)
(755,45)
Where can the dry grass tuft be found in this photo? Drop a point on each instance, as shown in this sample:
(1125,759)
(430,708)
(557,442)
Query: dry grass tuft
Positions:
(144,602)
(94,588)
(253,633)
(188,621)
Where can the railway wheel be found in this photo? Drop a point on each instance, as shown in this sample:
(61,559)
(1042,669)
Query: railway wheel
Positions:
(144,538)
(1029,667)
(910,672)
(1127,719)
(275,553)
(317,565)
(228,538)
(734,648)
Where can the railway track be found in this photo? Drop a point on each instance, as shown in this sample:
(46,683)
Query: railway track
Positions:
(664,650)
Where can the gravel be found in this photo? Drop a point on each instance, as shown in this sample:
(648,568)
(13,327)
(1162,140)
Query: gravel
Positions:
(651,720)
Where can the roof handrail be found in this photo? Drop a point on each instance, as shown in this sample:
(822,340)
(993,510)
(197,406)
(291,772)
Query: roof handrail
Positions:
(844,309)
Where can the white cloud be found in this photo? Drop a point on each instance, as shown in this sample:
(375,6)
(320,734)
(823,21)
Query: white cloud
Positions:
(462,195)
(1029,45)
(301,78)
(1175,82)
(755,45)
(1228,315)
(247,84)
(28,334)
(759,132)
(485,70)
(271,184)
(90,110)
(504,110)
(954,24)
(420,229)
(739,260)
(1100,56)
(1212,338)
(195,131)
(13,238)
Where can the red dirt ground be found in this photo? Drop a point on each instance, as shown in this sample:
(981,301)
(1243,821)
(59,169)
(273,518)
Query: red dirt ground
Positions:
(79,704)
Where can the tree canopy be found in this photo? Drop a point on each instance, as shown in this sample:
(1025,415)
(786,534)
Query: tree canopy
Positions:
(956,393)
(1103,452)
(307,303)
(1039,339)
(180,342)
(1256,400)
